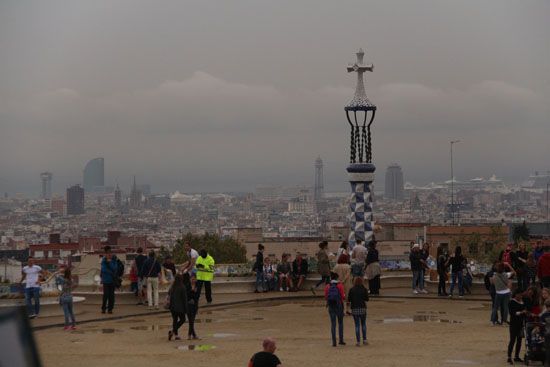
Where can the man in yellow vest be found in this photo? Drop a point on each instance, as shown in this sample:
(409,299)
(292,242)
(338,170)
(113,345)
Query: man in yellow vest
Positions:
(205,274)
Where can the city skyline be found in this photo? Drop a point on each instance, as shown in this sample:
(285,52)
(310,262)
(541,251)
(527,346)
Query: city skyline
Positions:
(140,93)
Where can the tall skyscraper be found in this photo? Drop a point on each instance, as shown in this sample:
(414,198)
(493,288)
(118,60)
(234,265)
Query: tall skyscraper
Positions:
(135,196)
(394,187)
(46,178)
(319,181)
(75,200)
(118,197)
(94,175)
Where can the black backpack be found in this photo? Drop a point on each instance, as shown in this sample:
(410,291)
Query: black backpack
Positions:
(120,268)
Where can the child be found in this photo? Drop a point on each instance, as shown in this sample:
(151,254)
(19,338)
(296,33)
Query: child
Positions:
(517,311)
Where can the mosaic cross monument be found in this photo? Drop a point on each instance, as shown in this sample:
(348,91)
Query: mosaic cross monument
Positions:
(360,114)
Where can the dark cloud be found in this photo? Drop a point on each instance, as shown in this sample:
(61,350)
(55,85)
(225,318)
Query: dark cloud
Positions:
(243,95)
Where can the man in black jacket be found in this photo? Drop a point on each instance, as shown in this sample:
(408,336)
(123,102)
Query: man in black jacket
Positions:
(259,268)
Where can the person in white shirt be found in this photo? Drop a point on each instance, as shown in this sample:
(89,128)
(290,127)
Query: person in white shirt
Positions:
(192,254)
(31,276)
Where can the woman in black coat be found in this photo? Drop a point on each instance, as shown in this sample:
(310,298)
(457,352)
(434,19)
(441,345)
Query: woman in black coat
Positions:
(178,305)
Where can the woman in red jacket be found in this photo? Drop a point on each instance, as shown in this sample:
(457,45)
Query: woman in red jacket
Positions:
(335,297)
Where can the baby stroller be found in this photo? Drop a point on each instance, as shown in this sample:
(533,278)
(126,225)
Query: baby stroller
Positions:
(534,341)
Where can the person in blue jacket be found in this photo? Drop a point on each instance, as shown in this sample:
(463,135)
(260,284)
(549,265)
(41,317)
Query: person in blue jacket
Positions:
(109,276)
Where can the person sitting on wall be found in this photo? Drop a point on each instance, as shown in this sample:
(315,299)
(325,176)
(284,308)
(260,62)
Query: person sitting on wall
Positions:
(299,272)
(284,274)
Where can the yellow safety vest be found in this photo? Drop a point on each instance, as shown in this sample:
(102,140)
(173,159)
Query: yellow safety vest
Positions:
(206,271)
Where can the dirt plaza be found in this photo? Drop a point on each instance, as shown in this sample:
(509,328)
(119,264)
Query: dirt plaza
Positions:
(427,332)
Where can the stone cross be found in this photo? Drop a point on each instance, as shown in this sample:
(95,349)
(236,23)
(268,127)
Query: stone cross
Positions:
(360,98)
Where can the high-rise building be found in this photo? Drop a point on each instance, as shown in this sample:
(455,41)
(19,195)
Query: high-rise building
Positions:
(319,181)
(75,200)
(94,175)
(58,206)
(118,197)
(394,183)
(135,196)
(46,178)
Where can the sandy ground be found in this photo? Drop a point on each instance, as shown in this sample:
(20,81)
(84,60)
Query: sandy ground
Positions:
(400,333)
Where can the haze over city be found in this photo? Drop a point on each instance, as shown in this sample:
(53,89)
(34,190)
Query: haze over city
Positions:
(226,96)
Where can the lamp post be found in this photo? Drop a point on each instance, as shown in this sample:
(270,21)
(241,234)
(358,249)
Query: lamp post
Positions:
(453,182)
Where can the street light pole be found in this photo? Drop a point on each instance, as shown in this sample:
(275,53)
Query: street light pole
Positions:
(547,211)
(453,182)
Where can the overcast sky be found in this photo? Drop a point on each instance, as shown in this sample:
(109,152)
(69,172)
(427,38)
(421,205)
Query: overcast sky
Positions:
(227,95)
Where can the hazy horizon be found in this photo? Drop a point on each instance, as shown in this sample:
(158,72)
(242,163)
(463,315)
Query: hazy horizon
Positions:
(204,97)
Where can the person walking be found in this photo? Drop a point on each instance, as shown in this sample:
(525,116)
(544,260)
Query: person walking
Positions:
(267,357)
(151,271)
(517,316)
(259,269)
(205,274)
(192,303)
(31,274)
(335,297)
(441,271)
(343,269)
(64,281)
(109,276)
(178,305)
(457,265)
(323,266)
(503,284)
(373,270)
(358,296)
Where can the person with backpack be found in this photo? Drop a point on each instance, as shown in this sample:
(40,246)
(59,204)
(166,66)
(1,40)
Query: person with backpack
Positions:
(335,297)
(177,295)
(151,271)
(358,296)
(110,279)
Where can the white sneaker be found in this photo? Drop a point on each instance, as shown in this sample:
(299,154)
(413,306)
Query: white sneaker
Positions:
(424,291)
(415,291)
(280,289)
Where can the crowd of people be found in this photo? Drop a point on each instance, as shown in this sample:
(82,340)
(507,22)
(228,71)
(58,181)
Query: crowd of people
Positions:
(524,306)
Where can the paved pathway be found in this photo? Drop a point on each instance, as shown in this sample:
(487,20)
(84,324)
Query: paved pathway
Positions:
(90,312)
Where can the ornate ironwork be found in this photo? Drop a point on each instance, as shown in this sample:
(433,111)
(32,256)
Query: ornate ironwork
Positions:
(361,141)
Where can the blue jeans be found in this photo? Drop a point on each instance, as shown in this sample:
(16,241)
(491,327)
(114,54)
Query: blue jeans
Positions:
(259,281)
(336,312)
(68,313)
(360,325)
(30,293)
(454,277)
(501,302)
(421,279)
(416,279)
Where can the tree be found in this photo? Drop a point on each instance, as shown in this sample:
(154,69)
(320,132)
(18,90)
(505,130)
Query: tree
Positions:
(520,233)
(224,251)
